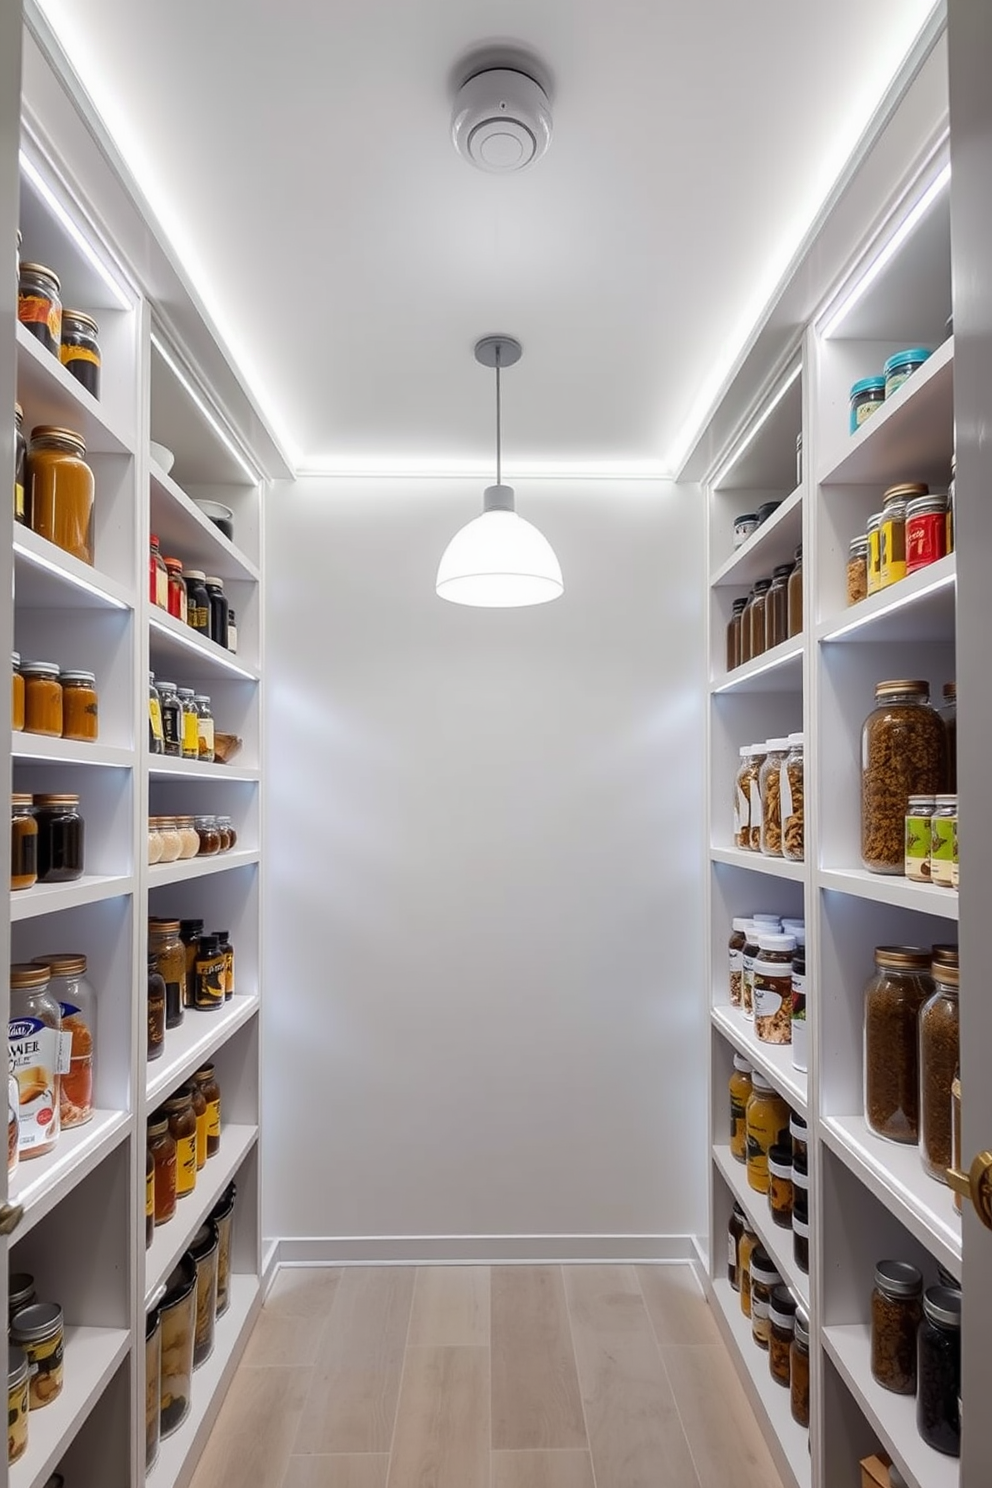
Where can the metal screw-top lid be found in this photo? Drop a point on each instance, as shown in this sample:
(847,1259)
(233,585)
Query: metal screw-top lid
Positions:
(898,1279)
(65,963)
(81,318)
(942,1305)
(740,1063)
(917,686)
(25,977)
(944,955)
(903,958)
(739,605)
(17,1366)
(36,268)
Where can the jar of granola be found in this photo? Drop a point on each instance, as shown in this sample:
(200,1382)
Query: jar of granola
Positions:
(770,789)
(939,1063)
(902,754)
(893,998)
(857,569)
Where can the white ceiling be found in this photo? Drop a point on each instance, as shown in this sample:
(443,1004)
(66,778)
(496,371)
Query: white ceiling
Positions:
(297,153)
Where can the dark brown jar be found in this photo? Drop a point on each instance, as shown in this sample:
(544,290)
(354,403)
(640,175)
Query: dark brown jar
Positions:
(745,631)
(896,1309)
(200,1112)
(800,1212)
(795,596)
(162,1147)
(39,304)
(893,998)
(163,940)
(182,1128)
(799,1370)
(206,1081)
(758,613)
(777,608)
(780,1186)
(734,634)
(60,838)
(80,349)
(226,949)
(209,977)
(783,1323)
(189,933)
(206,827)
(764,1279)
(156,1010)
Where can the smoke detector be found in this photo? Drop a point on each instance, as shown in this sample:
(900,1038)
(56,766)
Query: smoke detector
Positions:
(501,121)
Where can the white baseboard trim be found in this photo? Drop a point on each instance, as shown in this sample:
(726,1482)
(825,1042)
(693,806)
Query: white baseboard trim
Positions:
(270,1265)
(414,1250)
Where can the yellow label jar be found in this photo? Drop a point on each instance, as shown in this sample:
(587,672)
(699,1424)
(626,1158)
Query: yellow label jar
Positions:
(17,1403)
(38,1330)
(873,532)
(182,1127)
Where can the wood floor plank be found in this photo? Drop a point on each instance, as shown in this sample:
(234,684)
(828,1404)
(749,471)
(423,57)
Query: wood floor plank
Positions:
(302,1291)
(635,1434)
(542,1470)
(724,1438)
(450,1307)
(356,1378)
(367,1470)
(240,1453)
(442,1422)
(676,1306)
(279,1341)
(535,1389)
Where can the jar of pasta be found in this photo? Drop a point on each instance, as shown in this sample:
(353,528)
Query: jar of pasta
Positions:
(77,1004)
(767,1127)
(23,842)
(62,489)
(34,1046)
(773,988)
(80,706)
(42,698)
(740,1094)
(792,808)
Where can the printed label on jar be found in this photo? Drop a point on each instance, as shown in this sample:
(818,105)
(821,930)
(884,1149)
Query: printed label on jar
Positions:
(155,717)
(150,1194)
(747,988)
(798,997)
(926,540)
(785,793)
(864,411)
(738,1121)
(761,1323)
(773,1011)
(756,816)
(918,848)
(185,1165)
(213,1118)
(35,1056)
(942,850)
(892,561)
(72,353)
(732,1252)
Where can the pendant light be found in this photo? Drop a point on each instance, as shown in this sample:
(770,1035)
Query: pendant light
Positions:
(499,561)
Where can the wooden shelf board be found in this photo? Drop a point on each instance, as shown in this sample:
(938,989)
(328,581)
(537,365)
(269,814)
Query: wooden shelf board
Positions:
(886,888)
(91,1357)
(773,1060)
(777,1242)
(196,1040)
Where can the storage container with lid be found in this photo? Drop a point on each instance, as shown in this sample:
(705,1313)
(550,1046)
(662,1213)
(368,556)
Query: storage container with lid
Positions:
(745,632)
(162,1146)
(39,304)
(867,397)
(748,1244)
(795,596)
(895,1317)
(70,986)
(178,1310)
(17,1403)
(767,1127)
(34,1051)
(800,1025)
(740,1094)
(744,525)
(780,1185)
(949,718)
(164,943)
(80,706)
(23,842)
(61,835)
(938,1395)
(42,698)
(175,588)
(155,1009)
(764,1278)
(926,530)
(62,490)
(793,800)
(197,601)
(206,1080)
(223,1217)
(772,982)
(39,1330)
(79,351)
(190,724)
(944,840)
(158,575)
(182,1126)
(206,727)
(873,532)
(798,1135)
(777,607)
(800,1211)
(799,1370)
(892,553)
(902,755)
(894,996)
(172,718)
(156,738)
(17,700)
(735,1230)
(770,788)
(783,1322)
(902,366)
(857,569)
(20,469)
(939,1063)
(218,610)
(203,1249)
(919,812)
(736,960)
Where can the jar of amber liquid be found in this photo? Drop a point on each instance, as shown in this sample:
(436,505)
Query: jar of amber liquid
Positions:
(206,1081)
(60,838)
(200,1112)
(156,1010)
(62,489)
(17,694)
(162,1146)
(780,1186)
(23,843)
(170,956)
(794,602)
(80,706)
(42,698)
(149,1197)
(182,1127)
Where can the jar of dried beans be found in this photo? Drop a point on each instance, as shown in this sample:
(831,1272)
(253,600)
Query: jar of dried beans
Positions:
(939,1054)
(902,755)
(770,789)
(773,988)
(895,1317)
(893,999)
(792,800)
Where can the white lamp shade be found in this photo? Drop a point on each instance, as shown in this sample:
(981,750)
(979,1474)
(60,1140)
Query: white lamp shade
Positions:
(499,561)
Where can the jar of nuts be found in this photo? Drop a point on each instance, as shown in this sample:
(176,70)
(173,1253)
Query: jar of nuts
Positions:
(903,754)
(770,787)
(792,793)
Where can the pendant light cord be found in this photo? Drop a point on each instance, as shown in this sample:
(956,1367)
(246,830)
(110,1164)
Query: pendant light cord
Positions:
(499,466)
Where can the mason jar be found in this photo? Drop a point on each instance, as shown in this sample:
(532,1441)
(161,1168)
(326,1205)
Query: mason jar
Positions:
(903,754)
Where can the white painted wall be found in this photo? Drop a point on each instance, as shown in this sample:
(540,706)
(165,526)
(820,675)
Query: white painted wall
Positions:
(484,900)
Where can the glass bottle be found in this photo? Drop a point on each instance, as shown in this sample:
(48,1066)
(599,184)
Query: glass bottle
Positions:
(20,469)
(764,1279)
(777,609)
(74,993)
(158,576)
(197,601)
(218,610)
(189,724)
(892,553)
(17,700)
(735,1230)
(873,532)
(895,1317)
(61,833)
(939,1062)
(793,800)
(232,631)
(226,949)
(748,1244)
(767,1127)
(745,631)
(780,1185)
(162,1146)
(783,1323)
(857,569)
(176,589)
(206,1079)
(170,956)
(736,960)
(734,634)
(892,1001)
(206,727)
(938,1398)
(23,842)
(800,1212)
(902,755)
(182,1128)
(156,1010)
(156,738)
(795,598)
(758,618)
(740,1094)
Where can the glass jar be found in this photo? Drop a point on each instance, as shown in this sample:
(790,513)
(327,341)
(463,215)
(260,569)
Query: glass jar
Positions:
(893,998)
(17,1403)
(189,838)
(20,469)
(735,1230)
(892,558)
(896,1310)
(20,1292)
(799,1370)
(901,366)
(748,955)
(172,842)
(23,843)
(224,828)
(748,1244)
(926,531)
(176,589)
(742,797)
(902,755)
(867,397)
(773,988)
(206,1080)
(939,1061)
(60,838)
(39,1330)
(733,634)
(156,738)
(857,569)
(197,601)
(230,831)
(209,977)
(206,727)
(792,792)
(200,1112)
(943,840)
(182,1128)
(949,718)
(178,1308)
(777,606)
(745,640)
(764,1278)
(156,1009)
(39,304)
(34,1039)
(938,1398)
(798,1136)
(77,1005)
(172,719)
(736,960)
(189,933)
(780,1185)
(62,490)
(42,698)
(770,790)
(189,724)
(203,1249)
(80,706)
(873,532)
(158,575)
(799,1024)
(783,1324)
(740,1094)
(218,610)
(153,1386)
(758,618)
(154,841)
(149,1197)
(170,957)
(795,595)
(919,812)
(206,827)
(223,1218)
(800,1212)
(767,1127)
(79,351)
(13,1126)
(162,1146)
(17,698)
(226,949)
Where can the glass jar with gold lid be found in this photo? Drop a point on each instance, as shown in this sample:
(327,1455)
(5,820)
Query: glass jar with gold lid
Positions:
(62,490)
(894,996)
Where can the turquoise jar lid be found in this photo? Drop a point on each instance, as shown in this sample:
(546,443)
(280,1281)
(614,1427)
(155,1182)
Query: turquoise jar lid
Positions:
(915,355)
(868,385)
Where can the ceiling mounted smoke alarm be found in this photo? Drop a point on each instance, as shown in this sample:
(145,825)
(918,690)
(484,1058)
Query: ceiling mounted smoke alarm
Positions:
(501,121)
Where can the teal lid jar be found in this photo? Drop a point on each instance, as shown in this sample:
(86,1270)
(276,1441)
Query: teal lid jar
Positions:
(903,365)
(867,397)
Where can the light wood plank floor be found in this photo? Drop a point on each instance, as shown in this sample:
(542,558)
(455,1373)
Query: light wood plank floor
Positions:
(486,1377)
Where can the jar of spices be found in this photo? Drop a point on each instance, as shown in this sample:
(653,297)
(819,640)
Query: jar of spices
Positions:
(226,949)
(190,724)
(200,1112)
(783,1322)
(77,1004)
(20,469)
(857,569)
(777,607)
(162,1146)
(42,698)
(208,984)
(919,812)
(939,1062)
(206,1080)
(189,838)
(795,595)
(764,1278)
(170,957)
(740,1094)
(799,1370)
(23,843)
(206,727)
(748,955)
(757,617)
(943,840)
(197,601)
(17,694)
(780,1185)
(748,1244)
(896,1310)
(80,706)
(949,718)
(223,1217)
(773,988)
(735,1230)
(40,1332)
(892,561)
(189,933)
(800,1027)
(926,530)
(79,351)
(60,838)
(800,1211)
(172,719)
(34,1051)
(17,1403)
(733,634)
(902,755)
(798,1135)
(206,827)
(792,808)
(39,304)
(182,1127)
(938,1399)
(770,790)
(218,610)
(149,1197)
(172,842)
(62,489)
(229,831)
(156,1009)
(867,397)
(767,1127)
(156,738)
(873,532)
(893,999)
(176,589)
(158,576)
(736,956)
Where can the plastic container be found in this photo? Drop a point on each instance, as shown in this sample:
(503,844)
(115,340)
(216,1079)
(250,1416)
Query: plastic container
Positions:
(902,366)
(867,397)
(178,1310)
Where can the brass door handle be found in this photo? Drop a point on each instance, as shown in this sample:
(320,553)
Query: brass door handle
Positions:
(10,1217)
(976,1185)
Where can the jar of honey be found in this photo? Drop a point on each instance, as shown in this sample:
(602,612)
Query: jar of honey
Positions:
(182,1126)
(23,843)
(42,698)
(17,694)
(80,706)
(62,489)
(162,1146)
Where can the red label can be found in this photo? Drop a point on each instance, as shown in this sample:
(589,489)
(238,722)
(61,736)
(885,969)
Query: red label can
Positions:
(926,532)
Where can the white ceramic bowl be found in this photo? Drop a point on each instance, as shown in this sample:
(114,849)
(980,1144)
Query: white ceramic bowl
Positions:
(221,516)
(163,457)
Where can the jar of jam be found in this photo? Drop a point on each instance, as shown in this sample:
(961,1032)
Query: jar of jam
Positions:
(782,1314)
(764,1278)
(182,1127)
(799,1370)
(42,698)
(225,833)
(162,1146)
(39,304)
(156,1010)
(206,826)
(60,838)
(23,843)
(77,1004)
(80,706)
(17,698)
(926,531)
(79,352)
(170,955)
(206,1081)
(20,468)
(62,490)
(176,589)
(149,1197)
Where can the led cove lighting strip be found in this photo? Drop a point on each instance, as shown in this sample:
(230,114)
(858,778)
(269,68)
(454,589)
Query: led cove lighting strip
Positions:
(769,666)
(435,470)
(757,426)
(195,397)
(193,645)
(896,603)
(79,583)
(85,247)
(902,232)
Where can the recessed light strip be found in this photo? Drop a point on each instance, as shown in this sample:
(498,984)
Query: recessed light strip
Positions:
(898,602)
(192,644)
(758,425)
(204,409)
(778,661)
(70,578)
(84,245)
(438,470)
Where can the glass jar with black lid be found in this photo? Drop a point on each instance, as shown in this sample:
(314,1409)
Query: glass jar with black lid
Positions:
(172,719)
(60,838)
(218,610)
(938,1395)
(197,601)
